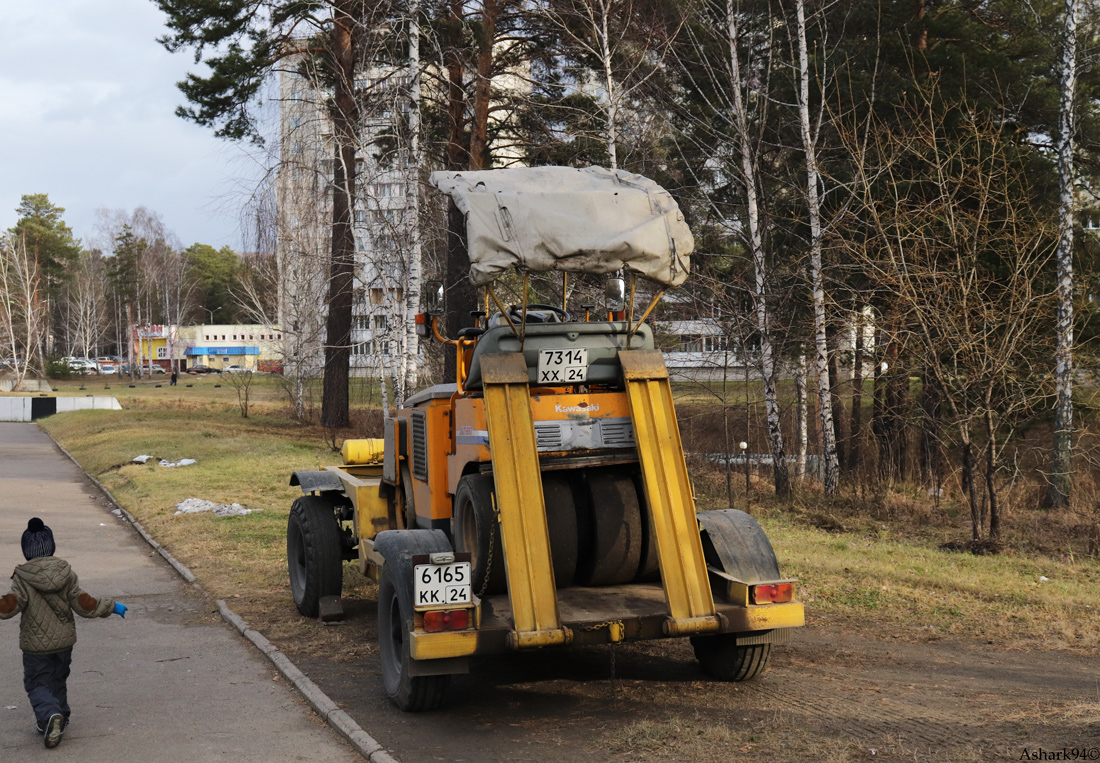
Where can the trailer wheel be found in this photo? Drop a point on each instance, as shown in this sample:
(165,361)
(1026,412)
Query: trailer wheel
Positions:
(412,694)
(476,532)
(314,553)
(720,657)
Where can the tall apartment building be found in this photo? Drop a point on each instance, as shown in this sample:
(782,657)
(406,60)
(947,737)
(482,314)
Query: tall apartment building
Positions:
(383,223)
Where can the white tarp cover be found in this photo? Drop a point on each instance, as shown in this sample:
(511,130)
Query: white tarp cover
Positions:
(591,220)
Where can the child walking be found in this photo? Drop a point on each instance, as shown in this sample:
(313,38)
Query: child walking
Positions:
(46,591)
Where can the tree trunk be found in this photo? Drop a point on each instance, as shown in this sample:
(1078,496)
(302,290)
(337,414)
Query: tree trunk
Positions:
(461,295)
(803,415)
(968,487)
(856,429)
(1058,488)
(990,475)
(410,363)
(479,133)
(834,399)
(747,141)
(826,365)
(334,402)
(931,460)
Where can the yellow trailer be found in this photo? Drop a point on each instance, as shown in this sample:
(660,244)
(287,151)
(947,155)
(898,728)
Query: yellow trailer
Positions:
(542,499)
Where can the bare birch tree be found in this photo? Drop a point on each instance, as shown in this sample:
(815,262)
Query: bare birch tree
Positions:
(831,465)
(24,315)
(1058,487)
(751,183)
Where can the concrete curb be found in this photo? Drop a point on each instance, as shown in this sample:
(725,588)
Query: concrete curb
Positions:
(343,724)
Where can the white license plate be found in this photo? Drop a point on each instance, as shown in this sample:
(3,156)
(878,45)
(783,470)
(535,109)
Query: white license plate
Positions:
(563,366)
(442,585)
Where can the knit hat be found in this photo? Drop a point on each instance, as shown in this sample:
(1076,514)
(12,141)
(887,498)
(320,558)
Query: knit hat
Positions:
(37,540)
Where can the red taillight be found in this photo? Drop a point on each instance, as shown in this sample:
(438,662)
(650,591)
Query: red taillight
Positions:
(774,593)
(446,620)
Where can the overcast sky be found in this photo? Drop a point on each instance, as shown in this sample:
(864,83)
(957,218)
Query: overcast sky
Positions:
(87,115)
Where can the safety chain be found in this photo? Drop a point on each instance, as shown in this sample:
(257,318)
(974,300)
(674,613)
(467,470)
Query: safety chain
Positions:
(489,565)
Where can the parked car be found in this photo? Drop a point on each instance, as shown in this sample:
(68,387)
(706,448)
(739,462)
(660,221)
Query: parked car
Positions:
(108,368)
(201,369)
(233,369)
(152,369)
(80,365)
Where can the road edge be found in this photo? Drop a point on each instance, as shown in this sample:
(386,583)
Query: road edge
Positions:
(367,746)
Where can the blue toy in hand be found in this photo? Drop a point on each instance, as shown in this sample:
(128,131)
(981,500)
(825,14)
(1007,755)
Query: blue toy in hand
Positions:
(120,609)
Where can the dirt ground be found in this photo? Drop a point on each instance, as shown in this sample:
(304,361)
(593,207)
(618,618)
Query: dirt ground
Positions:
(835,693)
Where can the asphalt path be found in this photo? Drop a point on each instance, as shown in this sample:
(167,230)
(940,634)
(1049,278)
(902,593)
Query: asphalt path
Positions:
(171,682)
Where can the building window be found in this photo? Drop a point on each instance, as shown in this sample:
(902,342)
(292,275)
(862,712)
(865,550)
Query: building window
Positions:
(376,296)
(379,323)
(206,338)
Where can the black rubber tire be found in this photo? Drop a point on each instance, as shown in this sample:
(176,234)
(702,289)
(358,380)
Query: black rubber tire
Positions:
(314,553)
(649,569)
(411,694)
(720,657)
(561,524)
(616,530)
(476,531)
(406,513)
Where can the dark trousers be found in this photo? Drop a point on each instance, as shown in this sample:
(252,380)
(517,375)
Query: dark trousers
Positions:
(44,677)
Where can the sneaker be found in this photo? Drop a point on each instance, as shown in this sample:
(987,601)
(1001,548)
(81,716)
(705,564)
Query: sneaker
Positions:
(54,726)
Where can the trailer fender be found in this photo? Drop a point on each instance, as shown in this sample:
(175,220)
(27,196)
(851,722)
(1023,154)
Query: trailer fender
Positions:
(398,547)
(737,543)
(317,481)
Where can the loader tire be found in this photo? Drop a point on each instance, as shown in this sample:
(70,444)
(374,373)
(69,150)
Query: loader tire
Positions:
(410,693)
(616,538)
(720,657)
(314,553)
(476,532)
(650,568)
(561,524)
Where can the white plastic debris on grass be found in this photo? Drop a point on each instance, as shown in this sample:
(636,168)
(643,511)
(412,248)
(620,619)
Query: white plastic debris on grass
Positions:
(164,462)
(198,506)
(182,462)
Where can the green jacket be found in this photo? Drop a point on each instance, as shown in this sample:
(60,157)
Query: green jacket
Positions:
(46,591)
